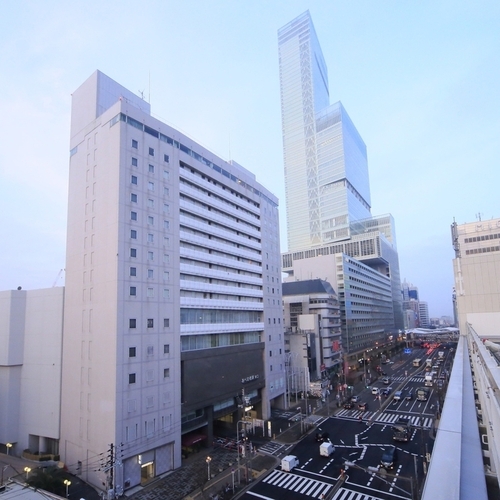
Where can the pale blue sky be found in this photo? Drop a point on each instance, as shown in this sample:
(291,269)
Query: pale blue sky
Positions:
(420,80)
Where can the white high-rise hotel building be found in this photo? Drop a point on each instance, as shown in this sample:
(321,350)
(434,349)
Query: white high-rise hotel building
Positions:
(173,290)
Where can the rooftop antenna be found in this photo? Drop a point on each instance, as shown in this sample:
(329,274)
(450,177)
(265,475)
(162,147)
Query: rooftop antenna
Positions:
(142,94)
(478,216)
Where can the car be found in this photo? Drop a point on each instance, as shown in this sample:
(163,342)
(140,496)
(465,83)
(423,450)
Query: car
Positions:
(398,395)
(348,405)
(362,406)
(322,437)
(409,395)
(386,380)
(387,391)
(375,391)
(389,457)
(355,399)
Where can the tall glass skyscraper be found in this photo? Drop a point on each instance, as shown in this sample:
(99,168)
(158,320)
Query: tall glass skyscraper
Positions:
(326,171)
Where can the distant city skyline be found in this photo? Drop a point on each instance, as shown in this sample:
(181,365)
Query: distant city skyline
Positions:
(420,81)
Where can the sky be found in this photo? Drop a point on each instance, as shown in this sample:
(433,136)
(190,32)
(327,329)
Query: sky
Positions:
(419,79)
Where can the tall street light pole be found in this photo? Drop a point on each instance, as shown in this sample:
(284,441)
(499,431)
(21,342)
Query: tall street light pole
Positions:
(67,482)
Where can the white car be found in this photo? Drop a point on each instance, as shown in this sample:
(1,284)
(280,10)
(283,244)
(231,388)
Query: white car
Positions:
(355,399)
(375,391)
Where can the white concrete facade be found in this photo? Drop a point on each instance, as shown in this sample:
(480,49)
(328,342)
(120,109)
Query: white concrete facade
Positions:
(171,251)
(31,333)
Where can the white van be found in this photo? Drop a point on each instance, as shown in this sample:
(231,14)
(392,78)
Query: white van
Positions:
(326,449)
(289,462)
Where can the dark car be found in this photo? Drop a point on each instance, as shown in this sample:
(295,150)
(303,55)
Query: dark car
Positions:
(348,405)
(409,395)
(322,437)
(389,457)
(362,406)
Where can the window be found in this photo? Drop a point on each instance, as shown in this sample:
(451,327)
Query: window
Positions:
(150,350)
(131,378)
(133,290)
(166,275)
(150,255)
(135,144)
(166,158)
(166,322)
(150,273)
(151,169)
(166,175)
(132,323)
(151,220)
(166,372)
(150,323)
(131,352)
(150,292)
(134,162)
(133,271)
(166,258)
(133,252)
(151,203)
(166,208)
(166,192)
(133,215)
(133,179)
(151,186)
(166,348)
(166,293)
(150,238)
(166,224)
(133,198)
(151,152)
(133,234)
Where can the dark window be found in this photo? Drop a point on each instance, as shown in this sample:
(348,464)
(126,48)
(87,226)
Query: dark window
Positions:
(133,179)
(133,198)
(166,158)
(166,322)
(133,271)
(131,352)
(133,290)
(166,348)
(151,168)
(151,152)
(134,162)
(133,215)
(135,144)
(132,323)
(133,252)
(133,234)
(131,378)
(150,323)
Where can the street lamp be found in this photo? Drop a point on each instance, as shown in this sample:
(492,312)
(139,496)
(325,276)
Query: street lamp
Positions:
(8,446)
(67,482)
(208,460)
(27,470)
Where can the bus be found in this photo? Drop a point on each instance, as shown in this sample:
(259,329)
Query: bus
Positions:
(401,430)
(423,393)
(416,362)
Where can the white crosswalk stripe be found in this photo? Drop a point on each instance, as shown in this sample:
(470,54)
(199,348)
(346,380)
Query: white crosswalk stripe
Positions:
(345,494)
(311,487)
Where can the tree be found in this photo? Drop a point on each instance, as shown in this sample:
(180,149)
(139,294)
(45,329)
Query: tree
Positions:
(48,479)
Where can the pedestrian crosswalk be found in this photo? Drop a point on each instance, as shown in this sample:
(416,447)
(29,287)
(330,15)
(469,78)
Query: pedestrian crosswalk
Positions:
(345,494)
(386,418)
(300,484)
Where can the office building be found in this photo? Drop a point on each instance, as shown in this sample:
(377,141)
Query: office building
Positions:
(312,326)
(31,335)
(173,314)
(327,184)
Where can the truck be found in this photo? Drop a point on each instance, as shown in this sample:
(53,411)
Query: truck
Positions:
(416,362)
(428,363)
(423,393)
(429,379)
(401,430)
(326,449)
(289,462)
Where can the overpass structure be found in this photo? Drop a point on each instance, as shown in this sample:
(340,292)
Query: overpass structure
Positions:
(465,462)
